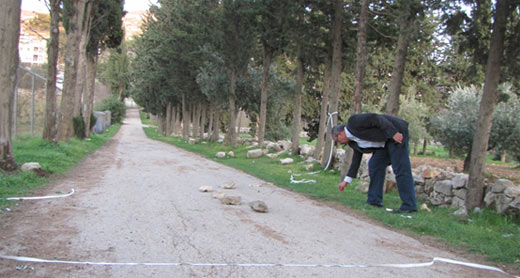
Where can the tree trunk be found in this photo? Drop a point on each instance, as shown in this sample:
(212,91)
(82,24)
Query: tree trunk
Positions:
(216,126)
(231,134)
(49,130)
(239,121)
(174,120)
(168,119)
(210,121)
(323,113)
(178,120)
(361,56)
(196,120)
(185,118)
(263,98)
(405,28)
(90,92)
(297,116)
(9,36)
(487,105)
(204,107)
(425,144)
(81,78)
(71,70)
(335,75)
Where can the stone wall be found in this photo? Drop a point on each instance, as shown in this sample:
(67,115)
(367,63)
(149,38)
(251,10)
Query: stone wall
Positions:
(103,121)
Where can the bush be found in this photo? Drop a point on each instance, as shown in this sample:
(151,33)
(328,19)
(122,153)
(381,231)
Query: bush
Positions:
(79,126)
(116,107)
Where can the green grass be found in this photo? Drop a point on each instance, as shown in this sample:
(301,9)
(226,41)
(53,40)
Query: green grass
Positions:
(495,236)
(54,158)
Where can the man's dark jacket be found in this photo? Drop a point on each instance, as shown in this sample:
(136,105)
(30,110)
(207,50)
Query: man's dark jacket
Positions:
(372,127)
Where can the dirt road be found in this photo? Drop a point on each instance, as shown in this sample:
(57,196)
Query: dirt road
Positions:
(138,200)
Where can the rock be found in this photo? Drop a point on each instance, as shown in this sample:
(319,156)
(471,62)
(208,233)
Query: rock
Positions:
(221,154)
(309,167)
(461,193)
(418,179)
(460,181)
(255,153)
(218,195)
(275,147)
(389,185)
(265,151)
(430,173)
(457,202)
(512,191)
(29,166)
(192,141)
(502,203)
(286,145)
(231,200)
(422,196)
(306,150)
(513,208)
(461,212)
(206,189)
(272,155)
(286,161)
(500,185)
(425,207)
(419,189)
(490,198)
(363,187)
(231,154)
(36,168)
(258,206)
(444,187)
(230,185)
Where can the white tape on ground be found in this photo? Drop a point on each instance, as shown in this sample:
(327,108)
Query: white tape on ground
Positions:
(411,265)
(41,197)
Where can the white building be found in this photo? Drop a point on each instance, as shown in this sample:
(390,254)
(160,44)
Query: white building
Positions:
(32,45)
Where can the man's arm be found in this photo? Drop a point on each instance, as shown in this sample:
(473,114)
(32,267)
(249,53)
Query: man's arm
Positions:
(352,171)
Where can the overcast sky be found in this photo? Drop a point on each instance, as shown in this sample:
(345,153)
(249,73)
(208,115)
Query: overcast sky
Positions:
(130,5)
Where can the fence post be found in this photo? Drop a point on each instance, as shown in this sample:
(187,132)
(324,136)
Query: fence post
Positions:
(15,110)
(32,105)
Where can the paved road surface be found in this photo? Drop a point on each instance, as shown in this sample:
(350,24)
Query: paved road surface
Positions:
(137,200)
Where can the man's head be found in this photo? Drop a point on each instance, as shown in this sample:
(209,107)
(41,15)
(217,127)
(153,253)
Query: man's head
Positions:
(338,134)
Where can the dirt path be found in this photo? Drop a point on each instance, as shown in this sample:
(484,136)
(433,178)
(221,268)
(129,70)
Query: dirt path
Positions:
(137,200)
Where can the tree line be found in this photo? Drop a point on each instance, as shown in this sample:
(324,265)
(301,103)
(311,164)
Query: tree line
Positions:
(198,63)
(90,27)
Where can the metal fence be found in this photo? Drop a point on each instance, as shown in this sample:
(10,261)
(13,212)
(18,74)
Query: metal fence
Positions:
(29,103)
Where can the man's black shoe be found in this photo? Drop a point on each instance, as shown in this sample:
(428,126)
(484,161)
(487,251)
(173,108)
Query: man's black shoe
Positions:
(374,205)
(403,210)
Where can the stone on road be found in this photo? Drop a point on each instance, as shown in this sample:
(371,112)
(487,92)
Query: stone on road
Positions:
(138,200)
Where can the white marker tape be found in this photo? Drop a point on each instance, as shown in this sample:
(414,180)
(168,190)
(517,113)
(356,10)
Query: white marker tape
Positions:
(412,265)
(301,181)
(41,197)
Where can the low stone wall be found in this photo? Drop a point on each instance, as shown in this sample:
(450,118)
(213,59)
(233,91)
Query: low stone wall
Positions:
(439,187)
(103,121)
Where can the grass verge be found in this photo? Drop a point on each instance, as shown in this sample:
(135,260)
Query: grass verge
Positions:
(54,158)
(487,233)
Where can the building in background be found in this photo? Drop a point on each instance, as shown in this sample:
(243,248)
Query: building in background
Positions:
(33,43)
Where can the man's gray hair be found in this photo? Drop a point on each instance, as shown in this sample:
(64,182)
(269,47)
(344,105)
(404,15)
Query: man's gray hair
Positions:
(337,129)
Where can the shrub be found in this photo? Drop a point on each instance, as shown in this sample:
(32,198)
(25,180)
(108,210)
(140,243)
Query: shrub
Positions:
(79,126)
(116,107)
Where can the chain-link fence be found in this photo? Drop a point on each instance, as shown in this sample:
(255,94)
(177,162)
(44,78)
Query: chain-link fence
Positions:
(29,103)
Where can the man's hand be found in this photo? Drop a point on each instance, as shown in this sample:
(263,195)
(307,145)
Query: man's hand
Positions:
(342,186)
(398,137)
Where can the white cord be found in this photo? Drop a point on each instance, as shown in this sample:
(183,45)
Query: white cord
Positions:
(409,265)
(331,120)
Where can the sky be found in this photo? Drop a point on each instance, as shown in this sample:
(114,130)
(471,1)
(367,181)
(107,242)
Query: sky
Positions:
(130,5)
